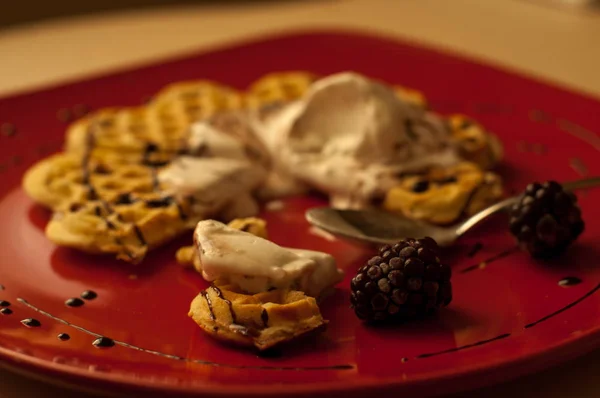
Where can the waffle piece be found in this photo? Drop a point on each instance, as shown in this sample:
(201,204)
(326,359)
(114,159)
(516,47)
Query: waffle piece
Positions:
(262,320)
(280,87)
(277,88)
(127,209)
(412,96)
(188,257)
(443,195)
(474,143)
(161,125)
(102,208)
(61,181)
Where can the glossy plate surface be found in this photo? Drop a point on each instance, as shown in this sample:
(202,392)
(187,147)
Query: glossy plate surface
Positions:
(510,315)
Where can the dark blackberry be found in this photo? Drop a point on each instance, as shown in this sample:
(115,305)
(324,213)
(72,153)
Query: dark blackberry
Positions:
(546,220)
(403,281)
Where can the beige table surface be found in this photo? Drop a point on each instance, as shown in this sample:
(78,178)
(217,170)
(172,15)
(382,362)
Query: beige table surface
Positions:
(557,44)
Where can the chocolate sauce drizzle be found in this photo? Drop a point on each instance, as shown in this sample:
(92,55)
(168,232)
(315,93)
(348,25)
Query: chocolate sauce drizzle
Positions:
(74,302)
(209,303)
(126,198)
(220,295)
(103,342)
(489,260)
(6,311)
(235,327)
(563,309)
(475,249)
(4,303)
(493,108)
(31,323)
(64,337)
(540,116)
(89,295)
(8,129)
(178,358)
(463,347)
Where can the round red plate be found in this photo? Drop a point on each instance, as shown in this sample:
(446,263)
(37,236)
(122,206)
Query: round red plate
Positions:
(510,315)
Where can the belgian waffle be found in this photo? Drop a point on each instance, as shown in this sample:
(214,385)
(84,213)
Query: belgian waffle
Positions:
(475,144)
(105,191)
(159,127)
(443,195)
(262,320)
(121,208)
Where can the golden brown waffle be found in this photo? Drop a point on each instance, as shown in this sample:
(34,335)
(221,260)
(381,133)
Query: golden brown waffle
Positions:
(113,208)
(443,195)
(277,88)
(281,87)
(414,97)
(117,152)
(262,320)
(104,208)
(475,144)
(159,127)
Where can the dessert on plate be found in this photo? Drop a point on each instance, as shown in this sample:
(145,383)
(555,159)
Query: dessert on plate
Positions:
(201,154)
(132,179)
(261,294)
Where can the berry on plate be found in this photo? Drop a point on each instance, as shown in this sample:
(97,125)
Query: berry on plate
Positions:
(546,220)
(403,281)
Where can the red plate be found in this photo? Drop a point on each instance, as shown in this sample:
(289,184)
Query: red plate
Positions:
(510,315)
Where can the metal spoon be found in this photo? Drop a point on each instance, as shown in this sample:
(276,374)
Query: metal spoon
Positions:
(379,227)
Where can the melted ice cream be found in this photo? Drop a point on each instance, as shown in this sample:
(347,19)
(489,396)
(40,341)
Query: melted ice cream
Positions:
(349,136)
(213,183)
(256,264)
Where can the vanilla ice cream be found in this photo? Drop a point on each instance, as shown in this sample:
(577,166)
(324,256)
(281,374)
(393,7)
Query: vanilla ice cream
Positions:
(350,136)
(256,264)
(215,185)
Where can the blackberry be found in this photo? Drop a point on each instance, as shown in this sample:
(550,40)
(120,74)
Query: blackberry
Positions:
(546,220)
(403,281)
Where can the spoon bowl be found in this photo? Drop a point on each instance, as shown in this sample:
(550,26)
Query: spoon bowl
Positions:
(375,227)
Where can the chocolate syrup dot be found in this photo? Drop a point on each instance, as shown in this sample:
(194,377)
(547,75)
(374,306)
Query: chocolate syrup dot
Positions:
(569,281)
(160,202)
(8,129)
(103,342)
(6,311)
(74,302)
(4,303)
(447,180)
(80,110)
(64,115)
(420,186)
(2,287)
(31,323)
(475,249)
(124,199)
(89,295)
(274,352)
(64,337)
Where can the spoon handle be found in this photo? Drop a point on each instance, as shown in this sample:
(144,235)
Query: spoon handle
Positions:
(506,203)
(581,184)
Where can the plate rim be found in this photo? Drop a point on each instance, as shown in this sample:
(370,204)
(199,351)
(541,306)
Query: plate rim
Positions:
(464,378)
